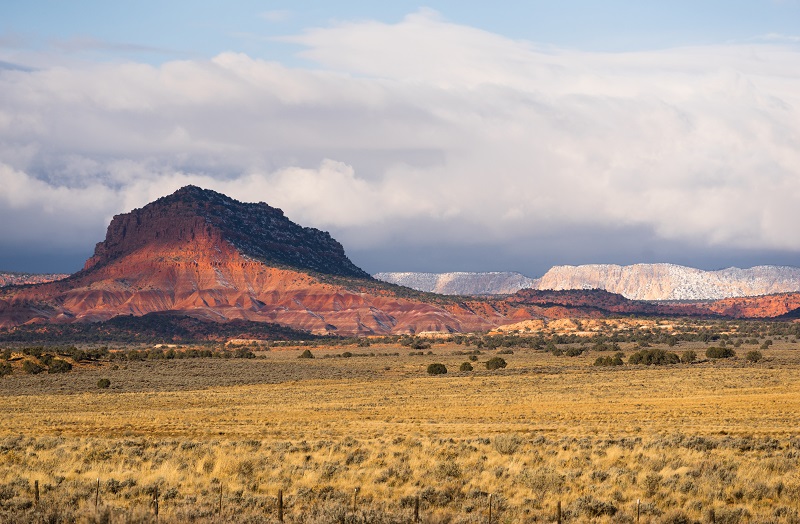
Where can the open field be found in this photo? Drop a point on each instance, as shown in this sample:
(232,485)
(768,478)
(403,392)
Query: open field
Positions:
(715,437)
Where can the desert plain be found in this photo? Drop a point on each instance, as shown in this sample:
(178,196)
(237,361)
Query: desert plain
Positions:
(364,434)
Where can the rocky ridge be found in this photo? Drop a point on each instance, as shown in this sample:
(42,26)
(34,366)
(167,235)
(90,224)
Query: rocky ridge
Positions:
(636,282)
(674,282)
(461,283)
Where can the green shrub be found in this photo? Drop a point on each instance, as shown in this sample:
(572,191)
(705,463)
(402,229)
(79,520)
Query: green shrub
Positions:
(574,351)
(31,367)
(473,358)
(717,352)
(616,360)
(654,357)
(59,366)
(5,369)
(437,369)
(754,356)
(688,357)
(306,354)
(495,363)
(103,383)
(466,366)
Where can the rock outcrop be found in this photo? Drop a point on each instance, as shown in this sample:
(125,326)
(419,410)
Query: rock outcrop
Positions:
(637,282)
(202,254)
(673,282)
(461,283)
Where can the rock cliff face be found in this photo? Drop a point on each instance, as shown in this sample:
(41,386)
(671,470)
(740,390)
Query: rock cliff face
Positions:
(202,254)
(18,279)
(637,282)
(672,282)
(460,283)
(256,231)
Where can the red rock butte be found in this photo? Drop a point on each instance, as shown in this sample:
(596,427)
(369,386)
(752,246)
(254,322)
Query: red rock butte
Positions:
(200,253)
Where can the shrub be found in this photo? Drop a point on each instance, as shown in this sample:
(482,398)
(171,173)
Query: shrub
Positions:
(103,383)
(495,363)
(419,344)
(59,366)
(593,508)
(616,360)
(306,354)
(754,356)
(688,357)
(574,351)
(437,368)
(466,366)
(32,368)
(5,369)
(717,352)
(507,444)
(473,358)
(654,357)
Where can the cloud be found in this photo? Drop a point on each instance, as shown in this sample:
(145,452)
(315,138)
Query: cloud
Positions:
(424,133)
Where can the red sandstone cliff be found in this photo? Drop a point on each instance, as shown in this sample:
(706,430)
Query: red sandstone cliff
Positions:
(203,254)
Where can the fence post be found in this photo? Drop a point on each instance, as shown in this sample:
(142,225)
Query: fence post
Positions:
(713,516)
(558,512)
(638,505)
(416,509)
(355,495)
(280,505)
(36,492)
(155,503)
(490,508)
(219,510)
(97,494)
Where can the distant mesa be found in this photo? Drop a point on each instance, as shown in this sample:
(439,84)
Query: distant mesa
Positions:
(673,282)
(637,282)
(462,283)
(12,278)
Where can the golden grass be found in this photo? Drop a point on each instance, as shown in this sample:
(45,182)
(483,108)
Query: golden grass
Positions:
(683,439)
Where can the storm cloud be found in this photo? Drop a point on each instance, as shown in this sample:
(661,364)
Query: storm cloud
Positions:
(423,145)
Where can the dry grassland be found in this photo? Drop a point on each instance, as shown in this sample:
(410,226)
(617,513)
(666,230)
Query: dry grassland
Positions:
(712,441)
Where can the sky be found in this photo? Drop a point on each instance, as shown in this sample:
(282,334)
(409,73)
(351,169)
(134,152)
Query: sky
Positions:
(437,136)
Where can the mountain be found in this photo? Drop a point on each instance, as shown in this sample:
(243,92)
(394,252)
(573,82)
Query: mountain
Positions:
(12,278)
(673,282)
(459,283)
(638,281)
(202,254)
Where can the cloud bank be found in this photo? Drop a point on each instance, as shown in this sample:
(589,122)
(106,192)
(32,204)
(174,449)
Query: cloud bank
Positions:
(424,136)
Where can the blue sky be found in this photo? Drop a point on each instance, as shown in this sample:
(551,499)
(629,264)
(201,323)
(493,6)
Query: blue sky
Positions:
(431,137)
(178,29)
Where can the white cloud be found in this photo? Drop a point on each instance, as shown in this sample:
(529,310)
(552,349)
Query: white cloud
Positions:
(421,132)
